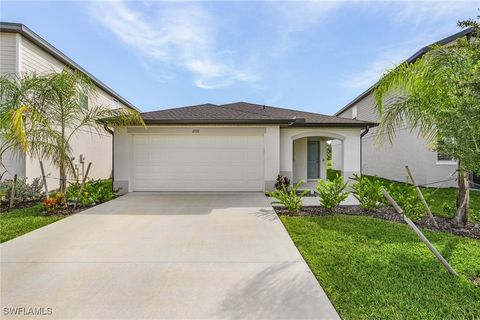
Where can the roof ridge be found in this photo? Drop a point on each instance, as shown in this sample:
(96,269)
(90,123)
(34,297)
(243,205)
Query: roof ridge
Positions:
(185,107)
(287,109)
(230,105)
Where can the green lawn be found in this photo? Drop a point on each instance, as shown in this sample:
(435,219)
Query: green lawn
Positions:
(376,269)
(436,197)
(20,221)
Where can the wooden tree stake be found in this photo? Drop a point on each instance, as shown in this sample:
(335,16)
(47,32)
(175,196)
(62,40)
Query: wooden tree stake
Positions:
(83,182)
(86,173)
(44,180)
(419,233)
(12,193)
(420,194)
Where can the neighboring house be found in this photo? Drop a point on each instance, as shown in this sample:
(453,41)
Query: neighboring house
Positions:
(231,147)
(388,161)
(23,51)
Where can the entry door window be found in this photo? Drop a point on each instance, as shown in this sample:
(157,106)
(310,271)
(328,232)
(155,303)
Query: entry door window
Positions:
(313,166)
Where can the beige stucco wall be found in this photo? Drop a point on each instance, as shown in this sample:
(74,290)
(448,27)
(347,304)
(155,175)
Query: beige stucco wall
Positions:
(407,149)
(95,148)
(388,161)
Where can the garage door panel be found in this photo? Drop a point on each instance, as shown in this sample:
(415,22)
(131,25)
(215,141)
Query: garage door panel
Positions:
(198,163)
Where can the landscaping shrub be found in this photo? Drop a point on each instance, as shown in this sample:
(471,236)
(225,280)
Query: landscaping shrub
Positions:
(407,198)
(332,192)
(282,181)
(55,202)
(24,192)
(94,192)
(368,192)
(332,174)
(289,197)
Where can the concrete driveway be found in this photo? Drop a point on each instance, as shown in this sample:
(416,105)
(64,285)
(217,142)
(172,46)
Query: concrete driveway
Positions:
(163,255)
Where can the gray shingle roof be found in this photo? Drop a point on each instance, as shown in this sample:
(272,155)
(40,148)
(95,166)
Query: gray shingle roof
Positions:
(247,113)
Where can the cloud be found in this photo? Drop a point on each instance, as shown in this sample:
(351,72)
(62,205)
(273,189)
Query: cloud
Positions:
(179,35)
(416,13)
(363,79)
(425,20)
(300,15)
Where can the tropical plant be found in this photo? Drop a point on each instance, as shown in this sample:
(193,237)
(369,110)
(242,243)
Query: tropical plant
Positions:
(406,197)
(55,202)
(368,192)
(282,181)
(93,192)
(23,190)
(16,93)
(438,95)
(45,125)
(332,192)
(290,198)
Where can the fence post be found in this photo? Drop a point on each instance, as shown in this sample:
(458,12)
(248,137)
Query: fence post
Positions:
(419,233)
(12,193)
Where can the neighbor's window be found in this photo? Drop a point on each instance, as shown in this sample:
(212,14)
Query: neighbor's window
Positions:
(442,156)
(83,96)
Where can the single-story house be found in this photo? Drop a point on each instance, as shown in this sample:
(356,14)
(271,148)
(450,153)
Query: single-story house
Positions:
(230,147)
(23,51)
(429,167)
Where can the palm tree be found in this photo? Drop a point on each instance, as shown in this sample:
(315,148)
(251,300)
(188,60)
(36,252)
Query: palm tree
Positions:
(438,95)
(60,112)
(16,93)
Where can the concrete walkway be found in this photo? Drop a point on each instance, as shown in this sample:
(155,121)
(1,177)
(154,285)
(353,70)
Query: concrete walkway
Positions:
(163,255)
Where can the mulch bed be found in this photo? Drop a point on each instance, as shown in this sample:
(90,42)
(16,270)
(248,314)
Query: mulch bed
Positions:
(65,211)
(445,225)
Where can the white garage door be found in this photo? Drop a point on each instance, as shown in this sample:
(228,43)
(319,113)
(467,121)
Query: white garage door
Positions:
(198,163)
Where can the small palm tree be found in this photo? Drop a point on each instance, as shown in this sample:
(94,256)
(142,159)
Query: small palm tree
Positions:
(46,127)
(16,93)
(439,95)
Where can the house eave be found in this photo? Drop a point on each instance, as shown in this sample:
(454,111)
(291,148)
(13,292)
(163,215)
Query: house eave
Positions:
(216,121)
(280,122)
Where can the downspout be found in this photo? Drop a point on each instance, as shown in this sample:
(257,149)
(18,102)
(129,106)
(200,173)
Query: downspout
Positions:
(361,148)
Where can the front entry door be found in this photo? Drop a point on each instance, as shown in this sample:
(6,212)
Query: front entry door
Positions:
(313,166)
